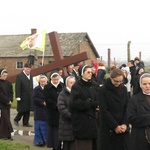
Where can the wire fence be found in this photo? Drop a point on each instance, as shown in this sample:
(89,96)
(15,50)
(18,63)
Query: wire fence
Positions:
(118,52)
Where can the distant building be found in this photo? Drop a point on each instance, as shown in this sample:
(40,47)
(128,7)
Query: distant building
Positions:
(13,57)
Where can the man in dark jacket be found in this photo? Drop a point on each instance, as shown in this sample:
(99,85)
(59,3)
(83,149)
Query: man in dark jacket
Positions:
(24,88)
(75,70)
(132,70)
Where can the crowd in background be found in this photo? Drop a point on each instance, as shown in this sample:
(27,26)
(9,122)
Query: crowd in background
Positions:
(87,109)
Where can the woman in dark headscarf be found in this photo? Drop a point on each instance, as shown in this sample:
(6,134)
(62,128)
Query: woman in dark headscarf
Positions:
(113,98)
(6,98)
(83,106)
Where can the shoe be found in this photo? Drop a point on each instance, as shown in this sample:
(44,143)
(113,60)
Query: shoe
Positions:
(16,123)
(28,125)
(40,144)
(11,139)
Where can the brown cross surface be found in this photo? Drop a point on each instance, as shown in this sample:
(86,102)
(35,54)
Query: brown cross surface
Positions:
(60,61)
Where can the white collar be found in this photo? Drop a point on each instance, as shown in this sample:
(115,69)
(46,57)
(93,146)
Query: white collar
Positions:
(146,93)
(55,85)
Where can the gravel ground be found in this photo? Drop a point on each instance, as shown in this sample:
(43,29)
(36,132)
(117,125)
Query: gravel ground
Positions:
(24,134)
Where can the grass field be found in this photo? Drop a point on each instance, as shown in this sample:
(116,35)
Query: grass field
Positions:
(10,145)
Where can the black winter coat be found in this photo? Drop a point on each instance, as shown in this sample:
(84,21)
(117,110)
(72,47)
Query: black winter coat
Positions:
(65,126)
(113,112)
(51,95)
(139,117)
(38,99)
(83,97)
(6,93)
(24,89)
(101,76)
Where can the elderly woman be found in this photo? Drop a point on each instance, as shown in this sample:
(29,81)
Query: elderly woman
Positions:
(65,126)
(113,99)
(40,126)
(139,114)
(83,105)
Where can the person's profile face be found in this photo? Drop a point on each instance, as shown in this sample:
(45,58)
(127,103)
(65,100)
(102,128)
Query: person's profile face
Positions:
(27,70)
(71,82)
(43,82)
(4,76)
(55,79)
(87,74)
(69,69)
(137,61)
(145,85)
(60,72)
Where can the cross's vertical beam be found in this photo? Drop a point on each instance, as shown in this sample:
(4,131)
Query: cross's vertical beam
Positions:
(57,51)
(58,55)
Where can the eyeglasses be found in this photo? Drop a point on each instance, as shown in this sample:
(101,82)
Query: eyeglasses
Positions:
(117,81)
(89,72)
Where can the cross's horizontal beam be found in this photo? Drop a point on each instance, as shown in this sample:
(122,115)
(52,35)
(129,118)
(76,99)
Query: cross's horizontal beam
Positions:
(56,64)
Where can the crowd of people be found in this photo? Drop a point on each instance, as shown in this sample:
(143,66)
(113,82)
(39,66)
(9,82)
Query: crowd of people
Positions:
(85,110)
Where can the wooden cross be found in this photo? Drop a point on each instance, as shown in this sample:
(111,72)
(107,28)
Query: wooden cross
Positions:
(60,61)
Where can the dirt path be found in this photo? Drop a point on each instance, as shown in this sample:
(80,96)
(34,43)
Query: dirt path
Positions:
(24,134)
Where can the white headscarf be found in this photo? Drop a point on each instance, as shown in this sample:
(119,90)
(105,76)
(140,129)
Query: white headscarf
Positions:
(143,76)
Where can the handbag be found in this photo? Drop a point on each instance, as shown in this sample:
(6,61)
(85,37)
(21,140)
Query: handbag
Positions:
(147,134)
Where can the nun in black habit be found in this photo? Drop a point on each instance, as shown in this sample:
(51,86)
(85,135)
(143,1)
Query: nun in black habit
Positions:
(84,108)
(6,98)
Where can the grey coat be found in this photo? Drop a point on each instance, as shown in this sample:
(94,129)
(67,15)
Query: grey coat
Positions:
(65,126)
(24,89)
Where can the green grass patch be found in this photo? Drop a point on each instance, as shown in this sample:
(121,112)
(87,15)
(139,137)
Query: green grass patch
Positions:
(9,145)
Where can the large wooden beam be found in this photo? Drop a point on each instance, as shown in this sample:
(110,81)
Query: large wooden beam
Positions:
(56,47)
(56,64)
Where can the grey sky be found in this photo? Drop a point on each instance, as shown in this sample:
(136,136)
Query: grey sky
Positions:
(109,23)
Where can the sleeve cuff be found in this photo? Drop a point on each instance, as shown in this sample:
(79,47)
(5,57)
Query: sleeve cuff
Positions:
(18,98)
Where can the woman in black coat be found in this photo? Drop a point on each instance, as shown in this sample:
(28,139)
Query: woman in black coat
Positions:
(6,98)
(139,114)
(65,127)
(113,99)
(40,124)
(51,91)
(83,107)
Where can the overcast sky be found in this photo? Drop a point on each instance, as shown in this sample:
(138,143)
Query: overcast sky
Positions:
(109,23)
